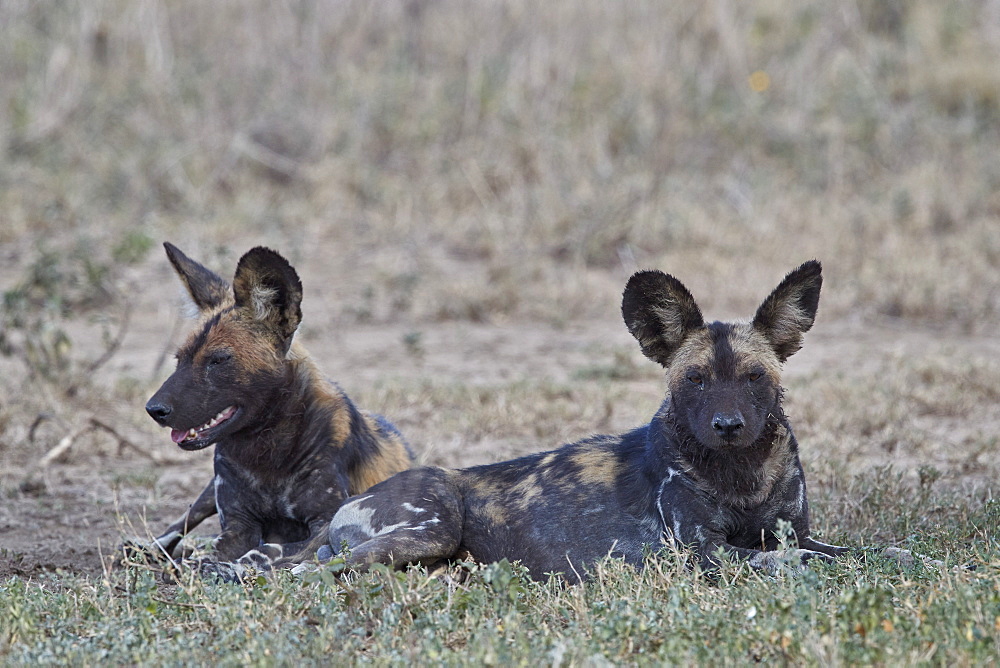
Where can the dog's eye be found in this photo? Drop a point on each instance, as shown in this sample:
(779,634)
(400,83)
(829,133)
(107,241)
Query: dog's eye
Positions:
(695,378)
(219,357)
(754,376)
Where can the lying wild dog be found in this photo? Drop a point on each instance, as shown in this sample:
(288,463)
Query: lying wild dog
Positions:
(714,470)
(290,446)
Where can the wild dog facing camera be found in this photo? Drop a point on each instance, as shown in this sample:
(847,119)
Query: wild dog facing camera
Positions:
(724,378)
(724,381)
(714,470)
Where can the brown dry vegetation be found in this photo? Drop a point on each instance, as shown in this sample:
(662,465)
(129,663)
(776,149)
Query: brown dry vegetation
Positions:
(464,189)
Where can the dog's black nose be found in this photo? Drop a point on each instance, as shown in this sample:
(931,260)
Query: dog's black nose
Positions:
(159,412)
(727,425)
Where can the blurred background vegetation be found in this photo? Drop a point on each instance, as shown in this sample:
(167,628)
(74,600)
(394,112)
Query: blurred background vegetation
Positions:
(427,163)
(470,160)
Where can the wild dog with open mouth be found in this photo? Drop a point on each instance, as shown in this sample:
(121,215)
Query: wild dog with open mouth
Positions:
(714,470)
(290,446)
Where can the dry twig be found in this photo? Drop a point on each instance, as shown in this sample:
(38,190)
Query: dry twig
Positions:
(67,441)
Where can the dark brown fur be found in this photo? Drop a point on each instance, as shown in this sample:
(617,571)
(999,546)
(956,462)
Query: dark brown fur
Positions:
(292,446)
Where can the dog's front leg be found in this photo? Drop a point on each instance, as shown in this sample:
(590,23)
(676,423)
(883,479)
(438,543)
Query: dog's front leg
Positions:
(816,546)
(197,512)
(239,536)
(164,548)
(235,555)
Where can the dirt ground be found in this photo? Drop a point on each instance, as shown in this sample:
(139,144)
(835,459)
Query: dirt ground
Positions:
(70,514)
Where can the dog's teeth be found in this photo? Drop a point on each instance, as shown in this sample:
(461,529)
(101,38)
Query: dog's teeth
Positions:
(193,432)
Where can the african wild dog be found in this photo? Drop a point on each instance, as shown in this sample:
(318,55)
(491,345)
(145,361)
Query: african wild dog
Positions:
(289,445)
(715,469)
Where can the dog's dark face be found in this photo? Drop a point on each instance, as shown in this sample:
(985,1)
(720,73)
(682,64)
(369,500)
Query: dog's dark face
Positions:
(724,378)
(230,367)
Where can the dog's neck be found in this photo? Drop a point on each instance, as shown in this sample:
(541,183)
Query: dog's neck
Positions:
(740,478)
(296,423)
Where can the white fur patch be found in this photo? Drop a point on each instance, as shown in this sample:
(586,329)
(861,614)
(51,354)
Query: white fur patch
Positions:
(262,301)
(354,516)
(664,537)
(218,484)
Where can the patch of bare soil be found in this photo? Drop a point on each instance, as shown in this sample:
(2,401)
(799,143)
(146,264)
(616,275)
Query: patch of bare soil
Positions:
(75,511)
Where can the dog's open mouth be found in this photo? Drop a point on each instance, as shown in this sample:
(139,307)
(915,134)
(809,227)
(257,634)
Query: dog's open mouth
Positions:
(201,436)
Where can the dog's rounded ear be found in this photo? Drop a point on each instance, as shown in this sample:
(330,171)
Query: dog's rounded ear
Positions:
(269,291)
(660,313)
(208,290)
(789,311)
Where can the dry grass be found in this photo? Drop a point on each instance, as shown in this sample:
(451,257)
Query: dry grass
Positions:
(483,158)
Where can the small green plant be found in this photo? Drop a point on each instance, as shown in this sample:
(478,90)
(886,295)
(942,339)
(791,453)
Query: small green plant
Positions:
(62,286)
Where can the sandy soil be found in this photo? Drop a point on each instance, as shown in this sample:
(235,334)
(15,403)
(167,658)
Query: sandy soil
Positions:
(76,511)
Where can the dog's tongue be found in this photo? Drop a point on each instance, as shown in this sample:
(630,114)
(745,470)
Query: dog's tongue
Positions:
(176,435)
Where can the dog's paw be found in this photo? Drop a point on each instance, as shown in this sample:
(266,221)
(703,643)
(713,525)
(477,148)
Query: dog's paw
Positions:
(321,569)
(261,558)
(133,552)
(789,561)
(808,555)
(213,570)
(136,552)
(304,569)
(227,571)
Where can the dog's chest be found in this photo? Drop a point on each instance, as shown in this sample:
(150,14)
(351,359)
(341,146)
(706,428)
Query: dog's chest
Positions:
(267,497)
(694,512)
(258,497)
(296,490)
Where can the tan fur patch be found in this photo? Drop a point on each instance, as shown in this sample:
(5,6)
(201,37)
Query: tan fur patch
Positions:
(526,492)
(752,349)
(391,460)
(696,351)
(598,467)
(495,513)
(251,352)
(483,486)
(324,393)
(340,423)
